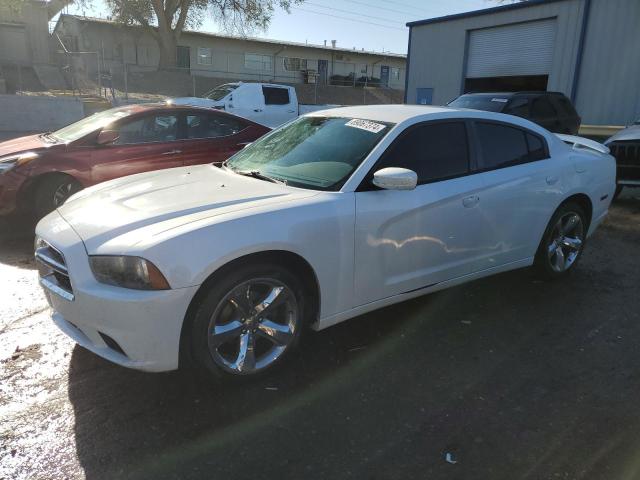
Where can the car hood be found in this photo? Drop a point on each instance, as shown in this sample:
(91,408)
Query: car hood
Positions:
(19,145)
(629,133)
(120,214)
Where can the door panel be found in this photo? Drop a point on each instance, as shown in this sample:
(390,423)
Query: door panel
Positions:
(517,202)
(212,137)
(278,108)
(407,240)
(145,143)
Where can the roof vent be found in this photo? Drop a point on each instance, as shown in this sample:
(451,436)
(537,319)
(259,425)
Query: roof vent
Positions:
(333,43)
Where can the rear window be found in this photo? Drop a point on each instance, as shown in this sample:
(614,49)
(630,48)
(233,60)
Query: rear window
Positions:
(488,103)
(275,96)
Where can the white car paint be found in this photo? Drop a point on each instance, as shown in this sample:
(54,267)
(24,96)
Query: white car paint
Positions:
(368,249)
(247,100)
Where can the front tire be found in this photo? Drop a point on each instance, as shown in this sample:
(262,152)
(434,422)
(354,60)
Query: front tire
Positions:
(52,192)
(563,241)
(248,321)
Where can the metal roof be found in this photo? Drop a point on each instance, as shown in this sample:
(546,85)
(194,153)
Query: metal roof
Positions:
(484,11)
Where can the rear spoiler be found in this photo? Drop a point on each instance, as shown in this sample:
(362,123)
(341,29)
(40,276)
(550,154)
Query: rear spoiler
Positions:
(579,142)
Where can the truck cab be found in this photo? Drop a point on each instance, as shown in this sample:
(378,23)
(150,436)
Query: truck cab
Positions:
(265,103)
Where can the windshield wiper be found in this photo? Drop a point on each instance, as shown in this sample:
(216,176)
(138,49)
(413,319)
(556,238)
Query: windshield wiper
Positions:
(259,175)
(48,137)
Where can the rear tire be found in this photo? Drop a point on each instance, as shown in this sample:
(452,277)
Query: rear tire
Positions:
(51,192)
(563,242)
(248,321)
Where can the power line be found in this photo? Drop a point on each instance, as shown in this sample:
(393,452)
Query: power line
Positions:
(349,19)
(403,12)
(351,12)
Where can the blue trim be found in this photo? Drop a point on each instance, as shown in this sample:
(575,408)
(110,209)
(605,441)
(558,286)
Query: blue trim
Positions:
(583,36)
(406,72)
(485,11)
(465,58)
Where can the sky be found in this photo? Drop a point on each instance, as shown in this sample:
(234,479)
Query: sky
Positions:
(374,25)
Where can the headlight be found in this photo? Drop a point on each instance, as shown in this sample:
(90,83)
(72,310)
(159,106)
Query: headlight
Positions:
(7,163)
(127,272)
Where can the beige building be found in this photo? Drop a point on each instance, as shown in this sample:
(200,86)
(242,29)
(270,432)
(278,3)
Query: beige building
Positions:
(229,57)
(24,32)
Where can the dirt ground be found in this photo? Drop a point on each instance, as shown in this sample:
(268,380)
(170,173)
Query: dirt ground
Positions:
(512,377)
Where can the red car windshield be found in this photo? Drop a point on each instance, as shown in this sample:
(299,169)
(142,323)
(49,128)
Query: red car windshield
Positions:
(87,125)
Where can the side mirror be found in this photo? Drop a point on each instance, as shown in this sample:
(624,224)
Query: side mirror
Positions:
(105,137)
(394,178)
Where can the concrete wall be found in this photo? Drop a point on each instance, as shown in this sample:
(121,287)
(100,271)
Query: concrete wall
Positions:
(139,50)
(609,83)
(438,50)
(37,113)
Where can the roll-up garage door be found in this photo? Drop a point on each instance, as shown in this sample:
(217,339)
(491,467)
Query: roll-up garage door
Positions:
(512,50)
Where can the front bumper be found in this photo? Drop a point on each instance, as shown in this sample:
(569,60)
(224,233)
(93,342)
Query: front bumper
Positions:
(133,328)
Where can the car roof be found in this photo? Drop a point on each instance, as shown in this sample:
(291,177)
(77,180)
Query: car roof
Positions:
(509,94)
(383,113)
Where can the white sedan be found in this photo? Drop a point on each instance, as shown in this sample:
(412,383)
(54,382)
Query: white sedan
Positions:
(333,215)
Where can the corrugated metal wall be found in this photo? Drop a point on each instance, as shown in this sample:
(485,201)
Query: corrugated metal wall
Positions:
(609,83)
(438,50)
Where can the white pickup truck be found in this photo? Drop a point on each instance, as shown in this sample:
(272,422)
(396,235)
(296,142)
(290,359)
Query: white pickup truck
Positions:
(265,103)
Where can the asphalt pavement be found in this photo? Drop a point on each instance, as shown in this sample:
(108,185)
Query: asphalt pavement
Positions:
(503,378)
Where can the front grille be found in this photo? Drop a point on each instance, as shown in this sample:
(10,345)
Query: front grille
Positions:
(53,269)
(627,154)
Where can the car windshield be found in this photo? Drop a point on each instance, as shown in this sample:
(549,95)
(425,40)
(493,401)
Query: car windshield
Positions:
(220,92)
(311,152)
(87,125)
(488,103)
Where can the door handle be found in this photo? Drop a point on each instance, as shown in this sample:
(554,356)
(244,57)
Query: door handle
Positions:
(172,152)
(552,180)
(257,109)
(470,201)
(291,111)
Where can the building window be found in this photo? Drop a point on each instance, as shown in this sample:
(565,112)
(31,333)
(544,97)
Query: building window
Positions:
(293,64)
(204,56)
(395,74)
(254,61)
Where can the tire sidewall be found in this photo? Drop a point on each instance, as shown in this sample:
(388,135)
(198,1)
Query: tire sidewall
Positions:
(43,198)
(218,288)
(542,263)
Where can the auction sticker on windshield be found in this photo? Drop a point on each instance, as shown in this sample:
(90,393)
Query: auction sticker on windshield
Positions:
(367,125)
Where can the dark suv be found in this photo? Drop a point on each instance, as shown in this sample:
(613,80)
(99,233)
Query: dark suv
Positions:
(552,110)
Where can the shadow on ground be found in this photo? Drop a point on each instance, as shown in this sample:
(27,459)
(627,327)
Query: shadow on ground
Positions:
(514,377)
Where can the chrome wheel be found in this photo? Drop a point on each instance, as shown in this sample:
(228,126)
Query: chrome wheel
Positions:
(61,193)
(567,238)
(253,326)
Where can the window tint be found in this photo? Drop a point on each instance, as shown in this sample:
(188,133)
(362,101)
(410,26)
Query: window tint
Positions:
(537,150)
(275,96)
(203,125)
(565,106)
(518,107)
(151,128)
(433,151)
(542,108)
(501,145)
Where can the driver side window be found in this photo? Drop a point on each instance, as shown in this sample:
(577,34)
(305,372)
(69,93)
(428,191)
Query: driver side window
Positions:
(435,151)
(148,129)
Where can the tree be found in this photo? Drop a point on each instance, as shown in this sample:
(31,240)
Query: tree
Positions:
(165,20)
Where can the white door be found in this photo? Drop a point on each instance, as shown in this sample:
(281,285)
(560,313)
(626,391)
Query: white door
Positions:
(521,187)
(510,50)
(408,240)
(247,101)
(279,107)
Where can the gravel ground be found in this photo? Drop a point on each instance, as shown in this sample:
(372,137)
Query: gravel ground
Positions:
(512,377)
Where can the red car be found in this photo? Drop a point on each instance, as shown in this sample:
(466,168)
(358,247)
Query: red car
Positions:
(40,172)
